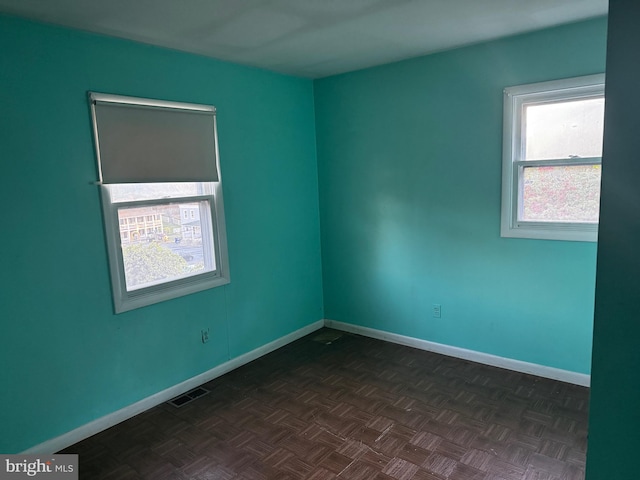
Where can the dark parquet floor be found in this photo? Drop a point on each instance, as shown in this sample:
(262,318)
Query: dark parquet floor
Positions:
(339,406)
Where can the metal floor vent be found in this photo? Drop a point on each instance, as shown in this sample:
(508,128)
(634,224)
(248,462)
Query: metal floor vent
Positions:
(188,397)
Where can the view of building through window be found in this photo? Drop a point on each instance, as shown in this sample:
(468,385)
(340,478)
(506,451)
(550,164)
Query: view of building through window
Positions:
(162,242)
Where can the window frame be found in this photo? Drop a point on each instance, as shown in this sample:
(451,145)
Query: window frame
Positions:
(513,162)
(208,191)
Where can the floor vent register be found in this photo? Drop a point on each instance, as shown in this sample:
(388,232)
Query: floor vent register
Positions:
(188,397)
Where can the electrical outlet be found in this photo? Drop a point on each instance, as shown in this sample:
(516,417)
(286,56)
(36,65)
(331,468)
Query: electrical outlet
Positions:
(205,335)
(437,310)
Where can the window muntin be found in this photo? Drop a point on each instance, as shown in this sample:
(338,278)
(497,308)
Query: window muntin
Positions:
(165,239)
(552,159)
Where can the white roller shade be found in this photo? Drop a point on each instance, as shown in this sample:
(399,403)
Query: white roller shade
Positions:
(148,141)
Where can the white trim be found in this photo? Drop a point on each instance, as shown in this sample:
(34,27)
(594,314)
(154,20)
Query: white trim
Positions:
(85,431)
(471,355)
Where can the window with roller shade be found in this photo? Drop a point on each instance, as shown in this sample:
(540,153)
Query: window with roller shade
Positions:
(161,188)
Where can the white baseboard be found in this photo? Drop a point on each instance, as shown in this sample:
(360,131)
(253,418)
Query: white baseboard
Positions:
(479,357)
(58,443)
(85,431)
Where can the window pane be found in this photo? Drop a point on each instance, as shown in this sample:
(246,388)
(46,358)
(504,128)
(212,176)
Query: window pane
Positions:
(130,192)
(561,194)
(564,129)
(169,247)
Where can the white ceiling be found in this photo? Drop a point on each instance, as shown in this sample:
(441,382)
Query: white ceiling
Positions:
(310,38)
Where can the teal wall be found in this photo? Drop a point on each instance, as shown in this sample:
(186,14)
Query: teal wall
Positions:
(409,159)
(614,420)
(407,213)
(66,358)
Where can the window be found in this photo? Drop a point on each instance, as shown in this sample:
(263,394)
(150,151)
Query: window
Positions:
(552,157)
(157,161)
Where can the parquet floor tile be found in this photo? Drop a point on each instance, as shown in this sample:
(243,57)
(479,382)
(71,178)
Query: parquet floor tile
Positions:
(335,406)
